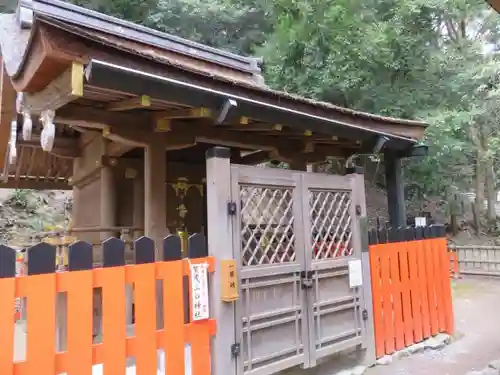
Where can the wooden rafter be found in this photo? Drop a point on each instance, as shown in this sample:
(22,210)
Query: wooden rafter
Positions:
(139,102)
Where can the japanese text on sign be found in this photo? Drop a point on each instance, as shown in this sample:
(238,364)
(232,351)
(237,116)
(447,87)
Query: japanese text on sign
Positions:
(199,291)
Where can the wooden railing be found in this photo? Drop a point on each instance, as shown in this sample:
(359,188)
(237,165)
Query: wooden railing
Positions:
(78,354)
(411,286)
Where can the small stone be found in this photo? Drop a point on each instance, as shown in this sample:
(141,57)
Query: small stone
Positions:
(416,348)
(443,337)
(495,364)
(401,354)
(432,343)
(358,370)
(385,360)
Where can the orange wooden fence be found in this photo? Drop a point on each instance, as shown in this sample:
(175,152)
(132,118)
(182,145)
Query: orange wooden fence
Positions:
(42,284)
(411,287)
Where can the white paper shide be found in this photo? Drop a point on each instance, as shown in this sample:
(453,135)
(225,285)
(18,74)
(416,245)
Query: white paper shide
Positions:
(355,273)
(199,291)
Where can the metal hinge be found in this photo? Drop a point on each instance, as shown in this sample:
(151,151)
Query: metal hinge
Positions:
(358,210)
(364,314)
(231,208)
(235,350)
(306,279)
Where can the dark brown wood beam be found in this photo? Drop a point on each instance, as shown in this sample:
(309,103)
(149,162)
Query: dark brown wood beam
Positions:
(139,102)
(36,185)
(93,118)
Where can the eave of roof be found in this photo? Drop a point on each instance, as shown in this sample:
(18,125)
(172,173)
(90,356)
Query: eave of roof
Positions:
(80,16)
(120,78)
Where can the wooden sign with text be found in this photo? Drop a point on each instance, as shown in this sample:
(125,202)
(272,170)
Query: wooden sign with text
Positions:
(229,281)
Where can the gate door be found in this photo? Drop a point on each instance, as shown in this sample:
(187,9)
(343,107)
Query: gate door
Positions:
(268,244)
(332,237)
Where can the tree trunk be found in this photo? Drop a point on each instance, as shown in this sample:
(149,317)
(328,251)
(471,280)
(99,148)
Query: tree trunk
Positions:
(480,180)
(477,139)
(491,194)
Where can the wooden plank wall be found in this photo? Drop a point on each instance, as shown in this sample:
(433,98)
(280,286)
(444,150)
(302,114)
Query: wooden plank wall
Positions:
(411,286)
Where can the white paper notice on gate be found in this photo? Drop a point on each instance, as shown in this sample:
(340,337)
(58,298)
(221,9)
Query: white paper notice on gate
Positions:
(355,273)
(199,291)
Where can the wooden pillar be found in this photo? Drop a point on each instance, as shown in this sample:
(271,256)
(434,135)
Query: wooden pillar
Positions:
(108,202)
(220,245)
(138,220)
(155,205)
(360,245)
(395,190)
(155,193)
(298,165)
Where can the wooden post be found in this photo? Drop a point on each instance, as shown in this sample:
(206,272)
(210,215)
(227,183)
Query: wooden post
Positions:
(220,245)
(360,241)
(108,202)
(298,165)
(138,204)
(395,190)
(155,204)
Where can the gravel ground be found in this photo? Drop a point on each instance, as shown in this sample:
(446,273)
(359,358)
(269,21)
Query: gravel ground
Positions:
(477,338)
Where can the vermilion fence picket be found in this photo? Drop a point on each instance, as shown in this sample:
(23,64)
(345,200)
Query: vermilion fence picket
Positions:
(42,284)
(410,286)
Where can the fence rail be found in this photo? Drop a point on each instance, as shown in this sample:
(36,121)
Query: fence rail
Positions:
(410,272)
(41,286)
(478,260)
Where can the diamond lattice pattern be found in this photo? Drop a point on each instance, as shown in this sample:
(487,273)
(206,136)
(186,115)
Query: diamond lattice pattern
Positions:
(330,224)
(267,225)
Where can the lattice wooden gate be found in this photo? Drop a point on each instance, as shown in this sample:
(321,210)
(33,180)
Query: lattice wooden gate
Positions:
(295,238)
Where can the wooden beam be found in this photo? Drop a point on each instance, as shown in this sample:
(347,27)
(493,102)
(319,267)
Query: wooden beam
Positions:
(7,111)
(117,149)
(35,185)
(63,90)
(142,101)
(228,138)
(93,118)
(137,137)
(188,113)
(256,127)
